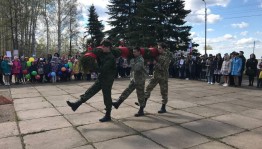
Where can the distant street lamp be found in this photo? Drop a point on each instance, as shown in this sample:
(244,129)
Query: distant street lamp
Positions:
(205,26)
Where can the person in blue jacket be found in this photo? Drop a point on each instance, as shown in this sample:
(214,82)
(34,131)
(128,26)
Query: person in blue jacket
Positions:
(236,66)
(6,65)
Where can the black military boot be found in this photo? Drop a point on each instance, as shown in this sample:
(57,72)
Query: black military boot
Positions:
(117,103)
(136,103)
(163,109)
(74,105)
(107,116)
(140,112)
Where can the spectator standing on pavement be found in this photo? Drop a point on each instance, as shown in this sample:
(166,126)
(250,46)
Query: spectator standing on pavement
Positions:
(217,70)
(251,68)
(1,71)
(210,69)
(243,59)
(6,65)
(16,69)
(236,67)
(226,68)
(259,77)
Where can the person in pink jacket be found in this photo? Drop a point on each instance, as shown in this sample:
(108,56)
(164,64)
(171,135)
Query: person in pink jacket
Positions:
(16,68)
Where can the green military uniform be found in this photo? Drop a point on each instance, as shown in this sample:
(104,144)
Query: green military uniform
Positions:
(107,71)
(160,75)
(138,77)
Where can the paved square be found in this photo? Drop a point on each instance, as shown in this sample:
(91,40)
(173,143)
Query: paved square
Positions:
(199,116)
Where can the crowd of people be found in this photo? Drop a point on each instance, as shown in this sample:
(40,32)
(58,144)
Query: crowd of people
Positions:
(227,70)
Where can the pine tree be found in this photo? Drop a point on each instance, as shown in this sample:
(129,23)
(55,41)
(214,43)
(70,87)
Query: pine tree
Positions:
(120,12)
(175,27)
(146,22)
(94,27)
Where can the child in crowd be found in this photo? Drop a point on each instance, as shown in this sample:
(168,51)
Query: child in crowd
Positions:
(16,69)
(6,67)
(23,69)
(53,73)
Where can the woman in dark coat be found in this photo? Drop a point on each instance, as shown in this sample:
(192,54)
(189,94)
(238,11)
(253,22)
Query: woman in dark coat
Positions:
(251,68)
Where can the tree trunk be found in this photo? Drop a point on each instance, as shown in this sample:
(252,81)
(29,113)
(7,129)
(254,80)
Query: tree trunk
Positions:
(59,23)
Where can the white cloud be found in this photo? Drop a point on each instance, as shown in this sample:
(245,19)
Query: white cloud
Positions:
(244,33)
(198,16)
(213,18)
(100,3)
(228,36)
(193,35)
(240,25)
(210,29)
(244,41)
(196,4)
(258,33)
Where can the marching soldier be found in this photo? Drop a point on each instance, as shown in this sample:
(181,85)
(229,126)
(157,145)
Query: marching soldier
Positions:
(137,81)
(160,76)
(107,70)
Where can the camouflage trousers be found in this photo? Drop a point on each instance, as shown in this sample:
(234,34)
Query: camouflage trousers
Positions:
(140,87)
(163,83)
(105,86)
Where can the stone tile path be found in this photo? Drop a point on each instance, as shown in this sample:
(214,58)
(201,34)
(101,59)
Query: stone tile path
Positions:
(200,116)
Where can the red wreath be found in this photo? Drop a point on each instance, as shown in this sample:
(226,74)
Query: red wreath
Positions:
(90,54)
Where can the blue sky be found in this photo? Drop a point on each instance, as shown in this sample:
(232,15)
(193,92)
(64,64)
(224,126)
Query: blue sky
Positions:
(233,25)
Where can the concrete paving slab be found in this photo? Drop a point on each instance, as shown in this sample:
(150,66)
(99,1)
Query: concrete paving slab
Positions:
(26,95)
(228,107)
(29,100)
(11,143)
(37,113)
(104,131)
(205,111)
(60,97)
(8,129)
(129,142)
(175,137)
(124,112)
(212,128)
(246,103)
(85,147)
(42,124)
(53,93)
(153,107)
(145,123)
(178,104)
(60,101)
(99,105)
(246,140)
(212,145)
(64,138)
(82,109)
(84,118)
(239,121)
(31,106)
(23,90)
(178,116)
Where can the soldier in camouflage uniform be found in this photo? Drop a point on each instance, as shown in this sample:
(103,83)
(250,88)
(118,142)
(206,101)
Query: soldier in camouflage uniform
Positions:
(104,82)
(160,75)
(137,81)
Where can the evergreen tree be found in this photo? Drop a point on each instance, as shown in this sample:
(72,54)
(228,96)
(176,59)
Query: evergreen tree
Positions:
(120,12)
(146,22)
(94,27)
(175,27)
